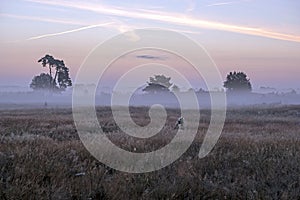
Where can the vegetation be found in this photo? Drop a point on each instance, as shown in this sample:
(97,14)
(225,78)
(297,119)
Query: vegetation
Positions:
(42,82)
(158,84)
(237,82)
(257,157)
(60,76)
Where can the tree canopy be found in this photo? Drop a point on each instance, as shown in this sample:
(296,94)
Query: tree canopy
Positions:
(60,75)
(158,84)
(237,82)
(41,82)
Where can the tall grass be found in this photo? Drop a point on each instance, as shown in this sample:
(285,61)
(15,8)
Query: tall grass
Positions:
(257,157)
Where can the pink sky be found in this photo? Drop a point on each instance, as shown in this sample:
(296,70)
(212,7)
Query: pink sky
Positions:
(266,47)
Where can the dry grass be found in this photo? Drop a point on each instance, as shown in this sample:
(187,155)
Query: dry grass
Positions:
(257,157)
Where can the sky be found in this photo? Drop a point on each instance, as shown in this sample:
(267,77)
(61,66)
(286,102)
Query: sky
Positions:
(259,37)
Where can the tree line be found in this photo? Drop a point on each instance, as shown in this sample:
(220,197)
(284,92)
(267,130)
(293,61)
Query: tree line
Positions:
(235,82)
(58,79)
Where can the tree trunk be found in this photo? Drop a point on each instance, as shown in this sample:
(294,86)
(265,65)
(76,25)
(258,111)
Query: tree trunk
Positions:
(50,70)
(50,74)
(54,80)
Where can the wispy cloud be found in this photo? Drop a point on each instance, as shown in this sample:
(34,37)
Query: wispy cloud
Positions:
(172,18)
(43,19)
(69,31)
(60,21)
(221,4)
(150,57)
(225,3)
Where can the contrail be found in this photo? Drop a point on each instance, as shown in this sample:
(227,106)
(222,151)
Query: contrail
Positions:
(221,4)
(173,18)
(69,31)
(226,3)
(60,21)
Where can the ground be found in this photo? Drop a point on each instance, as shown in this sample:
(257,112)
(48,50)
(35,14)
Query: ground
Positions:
(256,157)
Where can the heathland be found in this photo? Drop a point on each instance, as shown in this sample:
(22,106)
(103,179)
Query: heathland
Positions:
(256,157)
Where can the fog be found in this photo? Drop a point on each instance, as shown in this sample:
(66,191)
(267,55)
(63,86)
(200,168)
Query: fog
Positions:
(19,98)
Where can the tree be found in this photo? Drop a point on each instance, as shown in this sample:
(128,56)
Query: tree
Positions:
(47,60)
(191,90)
(63,78)
(237,82)
(42,82)
(158,84)
(61,75)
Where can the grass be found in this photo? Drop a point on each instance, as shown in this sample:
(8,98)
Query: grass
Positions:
(257,157)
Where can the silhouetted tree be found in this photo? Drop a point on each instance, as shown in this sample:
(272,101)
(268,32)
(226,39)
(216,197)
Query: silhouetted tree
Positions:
(63,78)
(202,90)
(157,84)
(191,90)
(237,82)
(61,74)
(42,82)
(48,60)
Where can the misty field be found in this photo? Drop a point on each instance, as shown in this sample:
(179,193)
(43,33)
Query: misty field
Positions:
(256,157)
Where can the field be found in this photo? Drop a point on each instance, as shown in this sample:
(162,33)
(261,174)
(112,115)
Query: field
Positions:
(256,157)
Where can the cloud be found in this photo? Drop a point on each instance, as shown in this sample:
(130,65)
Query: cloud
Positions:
(225,3)
(69,31)
(107,24)
(172,18)
(150,57)
(43,19)
(114,24)
(221,4)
